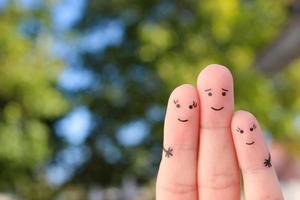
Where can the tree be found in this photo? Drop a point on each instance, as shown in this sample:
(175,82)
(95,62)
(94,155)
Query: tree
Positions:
(164,44)
(30,102)
(137,52)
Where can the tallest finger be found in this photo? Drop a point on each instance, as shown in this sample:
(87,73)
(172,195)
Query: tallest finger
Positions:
(218,173)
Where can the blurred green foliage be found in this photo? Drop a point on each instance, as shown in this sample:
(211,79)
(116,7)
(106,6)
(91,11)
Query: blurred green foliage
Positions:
(165,43)
(30,103)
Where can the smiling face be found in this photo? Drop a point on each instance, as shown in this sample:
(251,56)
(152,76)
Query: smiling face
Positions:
(183,109)
(215,86)
(209,93)
(250,140)
(246,130)
(190,106)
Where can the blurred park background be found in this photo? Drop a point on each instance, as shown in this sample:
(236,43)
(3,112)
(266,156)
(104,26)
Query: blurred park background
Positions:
(84,84)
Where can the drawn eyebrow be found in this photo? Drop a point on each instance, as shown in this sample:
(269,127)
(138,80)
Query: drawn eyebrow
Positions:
(175,101)
(224,89)
(194,104)
(207,90)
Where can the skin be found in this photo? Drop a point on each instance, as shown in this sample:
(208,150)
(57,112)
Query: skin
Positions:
(260,180)
(213,82)
(218,175)
(204,151)
(181,134)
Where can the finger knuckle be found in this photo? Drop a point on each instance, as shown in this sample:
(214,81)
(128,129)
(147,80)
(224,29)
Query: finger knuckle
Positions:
(178,188)
(220,181)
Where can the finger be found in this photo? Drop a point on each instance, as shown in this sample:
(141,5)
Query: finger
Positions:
(218,173)
(177,177)
(260,180)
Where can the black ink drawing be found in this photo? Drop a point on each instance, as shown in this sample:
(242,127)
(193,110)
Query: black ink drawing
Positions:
(217,109)
(250,143)
(176,103)
(253,127)
(267,162)
(182,120)
(194,105)
(240,130)
(208,90)
(224,91)
(168,152)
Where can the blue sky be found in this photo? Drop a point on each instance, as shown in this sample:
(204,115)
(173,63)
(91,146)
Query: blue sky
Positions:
(75,127)
(2,4)
(66,12)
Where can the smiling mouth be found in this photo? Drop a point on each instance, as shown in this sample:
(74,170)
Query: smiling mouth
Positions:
(217,109)
(250,143)
(182,120)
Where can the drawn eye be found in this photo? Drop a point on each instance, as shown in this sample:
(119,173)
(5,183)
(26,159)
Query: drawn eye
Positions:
(224,91)
(240,130)
(176,103)
(253,127)
(209,94)
(190,106)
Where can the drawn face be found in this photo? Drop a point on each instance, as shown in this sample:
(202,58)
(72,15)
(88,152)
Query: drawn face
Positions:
(183,109)
(210,93)
(252,151)
(249,130)
(179,107)
(215,87)
(181,125)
